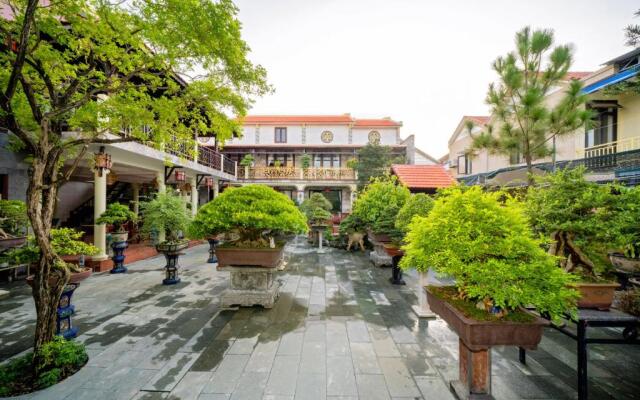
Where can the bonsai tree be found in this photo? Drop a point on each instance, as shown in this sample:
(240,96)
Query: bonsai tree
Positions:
(64,241)
(13,218)
(484,241)
(305,161)
(380,202)
(317,209)
(352,224)
(578,217)
(418,205)
(117,215)
(253,214)
(373,161)
(627,206)
(247,160)
(168,213)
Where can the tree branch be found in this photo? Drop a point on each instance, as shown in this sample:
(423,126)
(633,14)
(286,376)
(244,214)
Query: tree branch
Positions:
(31,97)
(67,175)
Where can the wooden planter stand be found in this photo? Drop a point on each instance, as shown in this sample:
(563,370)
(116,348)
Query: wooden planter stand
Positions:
(475,341)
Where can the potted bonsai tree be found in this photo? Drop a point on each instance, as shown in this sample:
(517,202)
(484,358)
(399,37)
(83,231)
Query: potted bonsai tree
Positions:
(246,162)
(627,206)
(580,219)
(13,223)
(167,214)
(418,205)
(355,229)
(317,209)
(484,241)
(252,217)
(117,215)
(66,244)
(378,206)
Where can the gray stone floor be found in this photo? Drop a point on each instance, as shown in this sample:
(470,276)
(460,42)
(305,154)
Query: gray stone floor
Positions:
(338,331)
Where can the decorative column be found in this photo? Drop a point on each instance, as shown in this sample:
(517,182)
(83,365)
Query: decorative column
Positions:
(422,309)
(216,188)
(194,195)
(135,193)
(100,206)
(162,188)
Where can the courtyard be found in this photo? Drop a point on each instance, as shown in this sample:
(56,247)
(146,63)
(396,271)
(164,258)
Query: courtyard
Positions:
(339,330)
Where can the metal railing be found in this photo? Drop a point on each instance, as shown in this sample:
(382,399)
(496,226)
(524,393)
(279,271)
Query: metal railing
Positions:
(632,143)
(293,173)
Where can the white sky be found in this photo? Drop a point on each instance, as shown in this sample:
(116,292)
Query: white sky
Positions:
(424,63)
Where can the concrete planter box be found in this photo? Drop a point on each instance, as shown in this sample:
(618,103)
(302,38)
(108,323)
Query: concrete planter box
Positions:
(250,286)
(475,341)
(596,295)
(255,257)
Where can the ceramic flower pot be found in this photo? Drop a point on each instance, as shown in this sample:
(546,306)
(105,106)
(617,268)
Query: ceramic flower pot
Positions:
(596,295)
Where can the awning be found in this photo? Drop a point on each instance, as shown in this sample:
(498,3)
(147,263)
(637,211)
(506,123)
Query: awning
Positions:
(613,79)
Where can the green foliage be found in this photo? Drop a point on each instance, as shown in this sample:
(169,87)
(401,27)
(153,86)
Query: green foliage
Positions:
(484,241)
(373,161)
(626,206)
(57,360)
(352,224)
(13,217)
(632,32)
(316,208)
(305,160)
(352,163)
(167,213)
(64,241)
(252,212)
(418,204)
(566,202)
(380,202)
(116,214)
(518,100)
(247,160)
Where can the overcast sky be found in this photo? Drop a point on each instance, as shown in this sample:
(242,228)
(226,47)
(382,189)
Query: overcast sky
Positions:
(424,63)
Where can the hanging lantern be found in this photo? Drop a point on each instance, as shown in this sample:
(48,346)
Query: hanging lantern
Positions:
(180,176)
(102,161)
(208,181)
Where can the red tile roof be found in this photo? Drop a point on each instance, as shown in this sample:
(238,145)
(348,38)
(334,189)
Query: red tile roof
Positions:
(423,176)
(577,74)
(376,122)
(478,119)
(343,119)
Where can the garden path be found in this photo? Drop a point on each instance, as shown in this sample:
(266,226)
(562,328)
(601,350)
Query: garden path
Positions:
(338,331)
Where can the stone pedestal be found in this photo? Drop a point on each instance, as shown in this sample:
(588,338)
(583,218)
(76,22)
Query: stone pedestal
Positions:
(379,256)
(422,309)
(475,374)
(250,286)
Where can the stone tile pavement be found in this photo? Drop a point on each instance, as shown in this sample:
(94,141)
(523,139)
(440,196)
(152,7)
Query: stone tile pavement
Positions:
(338,331)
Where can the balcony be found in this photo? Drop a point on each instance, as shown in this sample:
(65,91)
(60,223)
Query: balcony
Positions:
(293,173)
(619,154)
(610,148)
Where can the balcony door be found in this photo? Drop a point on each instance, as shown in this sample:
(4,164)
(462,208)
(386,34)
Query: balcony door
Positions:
(604,131)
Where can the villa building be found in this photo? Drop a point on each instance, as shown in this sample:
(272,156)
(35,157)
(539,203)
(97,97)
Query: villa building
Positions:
(610,150)
(302,154)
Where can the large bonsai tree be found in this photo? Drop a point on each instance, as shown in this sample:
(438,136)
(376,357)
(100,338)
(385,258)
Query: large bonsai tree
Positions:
(316,208)
(486,244)
(380,202)
(255,213)
(93,67)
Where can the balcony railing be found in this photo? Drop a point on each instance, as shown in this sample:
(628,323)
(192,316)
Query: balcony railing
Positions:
(292,173)
(606,149)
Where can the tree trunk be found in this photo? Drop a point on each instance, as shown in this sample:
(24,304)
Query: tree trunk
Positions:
(530,178)
(50,274)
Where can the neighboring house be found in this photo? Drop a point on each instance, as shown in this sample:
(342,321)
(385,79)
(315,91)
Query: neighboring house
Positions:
(422,158)
(279,143)
(423,178)
(609,151)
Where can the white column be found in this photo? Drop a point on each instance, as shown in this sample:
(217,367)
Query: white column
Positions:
(194,196)
(300,194)
(216,188)
(135,193)
(99,206)
(162,188)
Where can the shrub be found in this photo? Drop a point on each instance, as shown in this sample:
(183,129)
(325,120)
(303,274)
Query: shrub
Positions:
(247,160)
(13,217)
(352,224)
(305,161)
(418,204)
(627,209)
(167,213)
(488,247)
(64,241)
(579,217)
(253,212)
(380,202)
(316,208)
(57,360)
(116,214)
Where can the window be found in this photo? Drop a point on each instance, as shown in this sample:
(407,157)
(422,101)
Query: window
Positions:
(280,135)
(283,160)
(464,165)
(4,186)
(326,160)
(604,124)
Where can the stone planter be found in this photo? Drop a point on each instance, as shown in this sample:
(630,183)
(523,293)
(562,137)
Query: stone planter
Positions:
(379,256)
(596,295)
(253,257)
(172,252)
(66,310)
(396,255)
(250,286)
(475,341)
